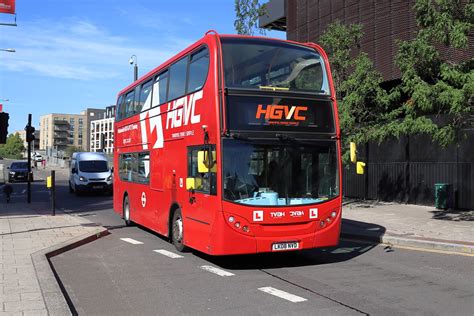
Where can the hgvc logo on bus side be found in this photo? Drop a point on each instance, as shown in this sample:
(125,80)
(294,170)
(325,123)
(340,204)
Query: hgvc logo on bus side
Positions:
(180,112)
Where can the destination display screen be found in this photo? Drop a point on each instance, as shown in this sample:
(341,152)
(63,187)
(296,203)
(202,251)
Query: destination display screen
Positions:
(279,114)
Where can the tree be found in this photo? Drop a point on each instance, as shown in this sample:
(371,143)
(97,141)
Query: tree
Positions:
(247,13)
(361,100)
(439,91)
(70,150)
(435,96)
(13,147)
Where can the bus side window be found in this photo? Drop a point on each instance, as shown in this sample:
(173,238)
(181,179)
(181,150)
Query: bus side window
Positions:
(143,95)
(177,79)
(143,168)
(126,167)
(203,182)
(160,89)
(128,104)
(119,108)
(198,69)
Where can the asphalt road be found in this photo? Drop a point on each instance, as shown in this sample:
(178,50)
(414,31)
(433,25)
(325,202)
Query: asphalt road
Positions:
(113,276)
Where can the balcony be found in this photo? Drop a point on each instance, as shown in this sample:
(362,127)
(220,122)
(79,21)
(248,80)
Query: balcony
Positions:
(60,135)
(275,16)
(60,143)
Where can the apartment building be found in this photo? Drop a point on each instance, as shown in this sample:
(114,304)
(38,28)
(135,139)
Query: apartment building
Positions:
(91,115)
(102,132)
(58,131)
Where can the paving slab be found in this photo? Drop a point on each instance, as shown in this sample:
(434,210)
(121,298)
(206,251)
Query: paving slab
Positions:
(410,225)
(29,237)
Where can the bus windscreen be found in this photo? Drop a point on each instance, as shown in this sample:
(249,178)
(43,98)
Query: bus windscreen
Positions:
(266,65)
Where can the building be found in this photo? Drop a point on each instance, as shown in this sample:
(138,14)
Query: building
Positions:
(383,24)
(90,116)
(404,169)
(58,131)
(102,132)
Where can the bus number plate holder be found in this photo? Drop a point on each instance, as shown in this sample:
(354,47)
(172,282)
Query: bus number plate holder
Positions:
(281,246)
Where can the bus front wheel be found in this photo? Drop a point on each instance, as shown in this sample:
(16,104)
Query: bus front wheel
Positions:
(177,232)
(126,211)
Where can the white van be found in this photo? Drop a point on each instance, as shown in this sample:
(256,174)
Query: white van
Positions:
(89,172)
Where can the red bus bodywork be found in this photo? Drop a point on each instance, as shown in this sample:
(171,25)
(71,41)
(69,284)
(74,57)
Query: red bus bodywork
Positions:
(205,218)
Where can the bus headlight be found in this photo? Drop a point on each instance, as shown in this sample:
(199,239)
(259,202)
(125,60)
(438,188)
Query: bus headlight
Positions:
(238,224)
(81,178)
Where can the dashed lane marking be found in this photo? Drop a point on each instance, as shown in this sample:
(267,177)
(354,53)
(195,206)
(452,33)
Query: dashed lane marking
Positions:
(282,294)
(217,271)
(168,253)
(132,241)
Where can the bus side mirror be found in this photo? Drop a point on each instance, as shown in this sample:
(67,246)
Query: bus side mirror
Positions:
(204,163)
(74,170)
(360,167)
(353,152)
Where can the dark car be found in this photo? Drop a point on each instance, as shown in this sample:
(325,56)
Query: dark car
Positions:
(18,171)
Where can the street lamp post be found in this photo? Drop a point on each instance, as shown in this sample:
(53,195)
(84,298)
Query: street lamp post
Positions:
(134,61)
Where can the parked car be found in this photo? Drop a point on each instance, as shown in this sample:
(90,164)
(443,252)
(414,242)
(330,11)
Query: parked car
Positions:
(38,158)
(90,172)
(18,171)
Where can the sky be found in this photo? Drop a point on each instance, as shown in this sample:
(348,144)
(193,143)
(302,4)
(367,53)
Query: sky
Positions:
(73,54)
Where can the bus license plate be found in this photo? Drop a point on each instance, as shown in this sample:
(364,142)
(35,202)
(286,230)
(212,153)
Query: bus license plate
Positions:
(285,246)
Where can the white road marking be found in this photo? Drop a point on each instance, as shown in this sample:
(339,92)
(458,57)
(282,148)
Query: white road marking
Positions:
(217,271)
(282,294)
(168,253)
(132,241)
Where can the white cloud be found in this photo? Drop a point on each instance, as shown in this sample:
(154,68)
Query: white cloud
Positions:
(77,49)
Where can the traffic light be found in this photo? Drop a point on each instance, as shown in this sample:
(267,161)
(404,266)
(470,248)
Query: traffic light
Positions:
(3,127)
(30,133)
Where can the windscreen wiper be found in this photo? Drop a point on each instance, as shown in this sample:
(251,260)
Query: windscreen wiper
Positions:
(272,88)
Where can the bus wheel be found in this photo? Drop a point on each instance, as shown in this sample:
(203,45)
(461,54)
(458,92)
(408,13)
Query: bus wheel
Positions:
(177,232)
(126,211)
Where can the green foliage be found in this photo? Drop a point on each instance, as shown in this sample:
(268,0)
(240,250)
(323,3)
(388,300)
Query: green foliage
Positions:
(247,13)
(339,41)
(436,87)
(362,102)
(435,96)
(13,148)
(70,150)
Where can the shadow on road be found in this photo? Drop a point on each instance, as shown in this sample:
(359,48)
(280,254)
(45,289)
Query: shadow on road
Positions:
(345,251)
(352,245)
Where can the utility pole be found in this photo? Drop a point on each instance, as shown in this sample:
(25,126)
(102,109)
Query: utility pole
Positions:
(30,137)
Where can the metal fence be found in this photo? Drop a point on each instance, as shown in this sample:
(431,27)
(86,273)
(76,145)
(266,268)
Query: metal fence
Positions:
(406,170)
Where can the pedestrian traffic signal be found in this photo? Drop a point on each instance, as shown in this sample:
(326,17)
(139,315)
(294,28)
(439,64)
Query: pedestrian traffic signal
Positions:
(30,133)
(3,127)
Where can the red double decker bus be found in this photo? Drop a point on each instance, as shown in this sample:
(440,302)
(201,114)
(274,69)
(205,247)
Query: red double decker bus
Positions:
(232,147)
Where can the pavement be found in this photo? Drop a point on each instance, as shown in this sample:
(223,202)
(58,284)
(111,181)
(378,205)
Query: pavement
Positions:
(29,236)
(405,225)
